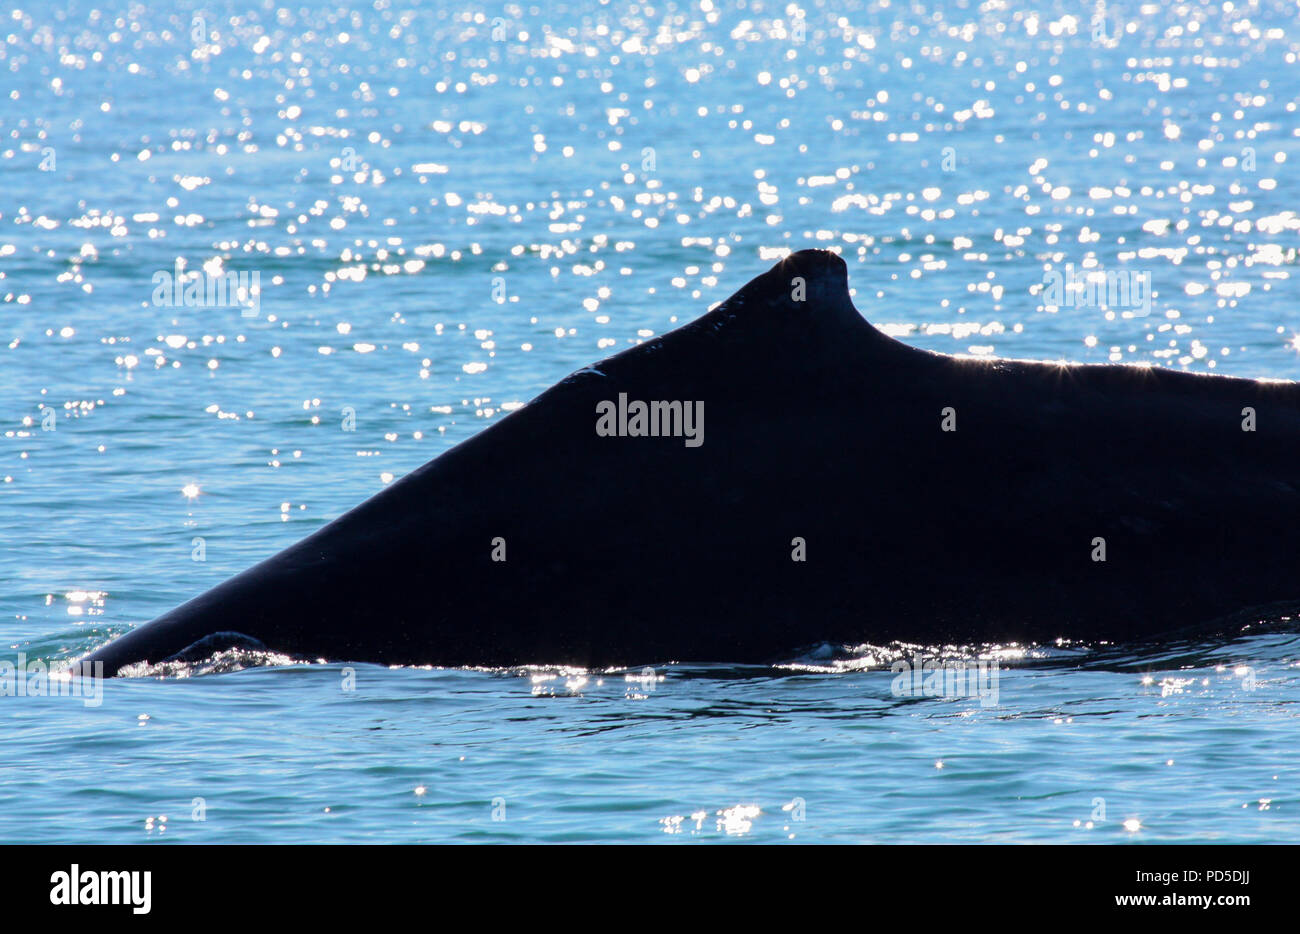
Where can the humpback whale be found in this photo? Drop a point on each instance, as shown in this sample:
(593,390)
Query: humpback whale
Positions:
(845,488)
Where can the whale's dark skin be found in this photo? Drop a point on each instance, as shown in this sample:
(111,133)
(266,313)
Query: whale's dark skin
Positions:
(637,550)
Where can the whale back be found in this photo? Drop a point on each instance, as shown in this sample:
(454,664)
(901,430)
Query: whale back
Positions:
(846,487)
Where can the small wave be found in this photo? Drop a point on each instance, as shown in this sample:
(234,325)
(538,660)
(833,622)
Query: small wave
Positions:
(830,659)
(223,653)
(224,661)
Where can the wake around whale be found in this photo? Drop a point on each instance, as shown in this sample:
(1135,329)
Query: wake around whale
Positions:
(849,489)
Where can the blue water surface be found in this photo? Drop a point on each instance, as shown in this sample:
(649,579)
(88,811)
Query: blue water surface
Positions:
(451,206)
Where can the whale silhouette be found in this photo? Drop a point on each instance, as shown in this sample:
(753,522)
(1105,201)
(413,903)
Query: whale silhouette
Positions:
(846,488)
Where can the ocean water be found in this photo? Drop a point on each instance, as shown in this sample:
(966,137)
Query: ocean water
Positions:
(448,207)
